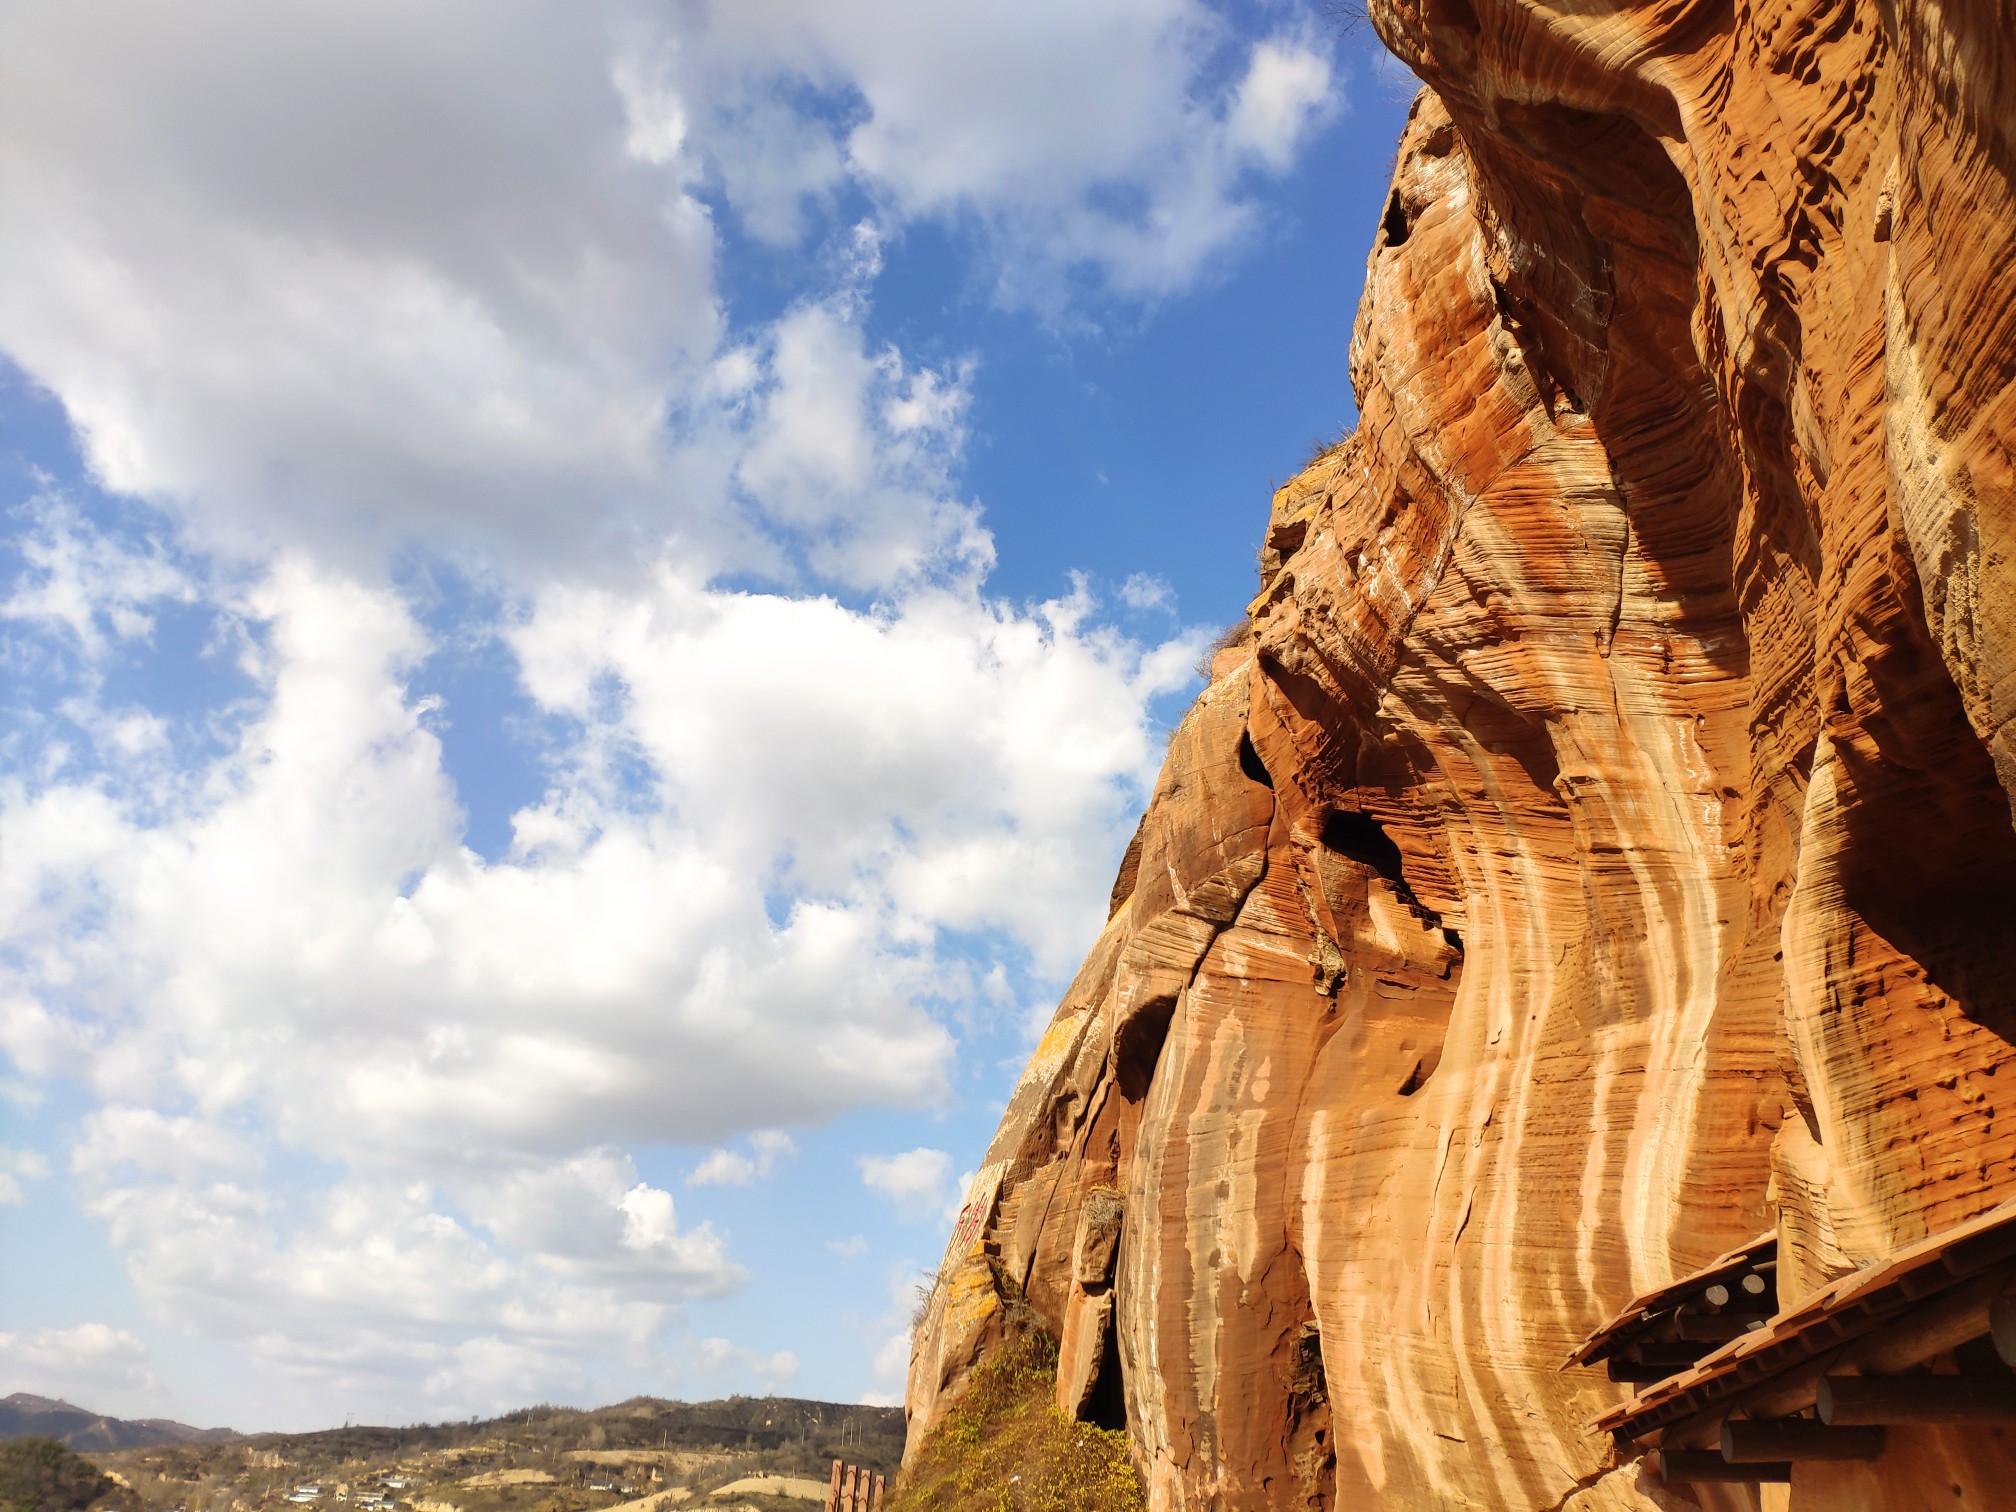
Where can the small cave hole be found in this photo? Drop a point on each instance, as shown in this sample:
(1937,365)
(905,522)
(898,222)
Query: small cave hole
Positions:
(1250,762)
(1361,838)
(1417,1078)
(1453,938)
(1394,222)
(1137,1048)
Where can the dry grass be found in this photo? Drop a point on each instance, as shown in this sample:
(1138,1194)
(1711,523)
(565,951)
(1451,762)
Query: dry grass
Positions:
(1006,1448)
(1235,634)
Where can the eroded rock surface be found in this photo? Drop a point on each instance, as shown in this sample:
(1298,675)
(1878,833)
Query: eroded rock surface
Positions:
(1598,847)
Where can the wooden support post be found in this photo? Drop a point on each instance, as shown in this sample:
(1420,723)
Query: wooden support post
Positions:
(1707,1465)
(833,1490)
(875,1505)
(1757,1441)
(1916,1399)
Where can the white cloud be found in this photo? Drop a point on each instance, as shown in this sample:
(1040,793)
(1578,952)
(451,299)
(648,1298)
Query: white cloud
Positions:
(719,1356)
(1286,92)
(92,1365)
(341,271)
(1144,591)
(724,1167)
(17,1166)
(853,1247)
(1075,137)
(119,1141)
(365,282)
(890,1332)
(96,586)
(915,1181)
(850,452)
(364,274)
(288,953)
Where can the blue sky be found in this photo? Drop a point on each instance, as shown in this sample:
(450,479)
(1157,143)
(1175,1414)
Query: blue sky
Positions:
(589,597)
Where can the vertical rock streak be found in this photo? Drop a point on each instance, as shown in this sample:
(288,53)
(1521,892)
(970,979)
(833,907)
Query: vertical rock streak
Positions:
(1596,848)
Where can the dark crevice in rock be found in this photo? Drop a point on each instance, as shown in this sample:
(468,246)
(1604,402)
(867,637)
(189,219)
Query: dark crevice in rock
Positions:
(1250,762)
(1394,223)
(1137,1047)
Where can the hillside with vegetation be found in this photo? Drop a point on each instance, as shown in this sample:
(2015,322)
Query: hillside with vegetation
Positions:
(41,1474)
(766,1454)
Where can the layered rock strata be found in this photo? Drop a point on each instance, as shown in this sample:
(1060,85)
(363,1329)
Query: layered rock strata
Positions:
(1596,848)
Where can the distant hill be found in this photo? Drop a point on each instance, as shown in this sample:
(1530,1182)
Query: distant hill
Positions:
(26,1416)
(770,1454)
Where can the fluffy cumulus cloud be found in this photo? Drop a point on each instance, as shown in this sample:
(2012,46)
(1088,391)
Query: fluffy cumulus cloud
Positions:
(17,1166)
(365,271)
(91,1362)
(348,302)
(918,1182)
(721,1357)
(723,1167)
(1113,140)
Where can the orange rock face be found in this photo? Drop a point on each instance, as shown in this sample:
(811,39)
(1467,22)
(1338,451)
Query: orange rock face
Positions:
(1598,847)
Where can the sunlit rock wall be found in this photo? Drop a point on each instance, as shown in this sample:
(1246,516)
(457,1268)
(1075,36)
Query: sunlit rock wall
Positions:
(1597,847)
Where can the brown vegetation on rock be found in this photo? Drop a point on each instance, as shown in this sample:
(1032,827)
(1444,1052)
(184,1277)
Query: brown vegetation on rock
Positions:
(1006,1446)
(1599,850)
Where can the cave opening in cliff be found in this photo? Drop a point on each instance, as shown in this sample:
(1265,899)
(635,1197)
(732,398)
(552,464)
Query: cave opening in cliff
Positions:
(1107,1405)
(1137,1046)
(1361,838)
(1250,762)
(1394,222)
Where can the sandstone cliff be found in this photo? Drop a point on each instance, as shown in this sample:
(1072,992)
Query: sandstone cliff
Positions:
(1597,848)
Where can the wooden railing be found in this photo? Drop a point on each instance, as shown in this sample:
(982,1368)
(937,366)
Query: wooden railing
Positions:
(855,1488)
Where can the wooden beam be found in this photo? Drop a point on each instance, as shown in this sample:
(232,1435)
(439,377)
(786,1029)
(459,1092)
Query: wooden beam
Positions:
(1639,1372)
(2002,1326)
(1899,1343)
(1706,1465)
(1663,1352)
(1758,1441)
(1916,1399)
(1716,1327)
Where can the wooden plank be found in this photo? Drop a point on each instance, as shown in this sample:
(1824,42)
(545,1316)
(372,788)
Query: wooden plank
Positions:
(1916,1399)
(1704,1465)
(1758,1441)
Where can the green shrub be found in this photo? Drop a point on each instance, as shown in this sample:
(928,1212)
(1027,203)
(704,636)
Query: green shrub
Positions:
(40,1475)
